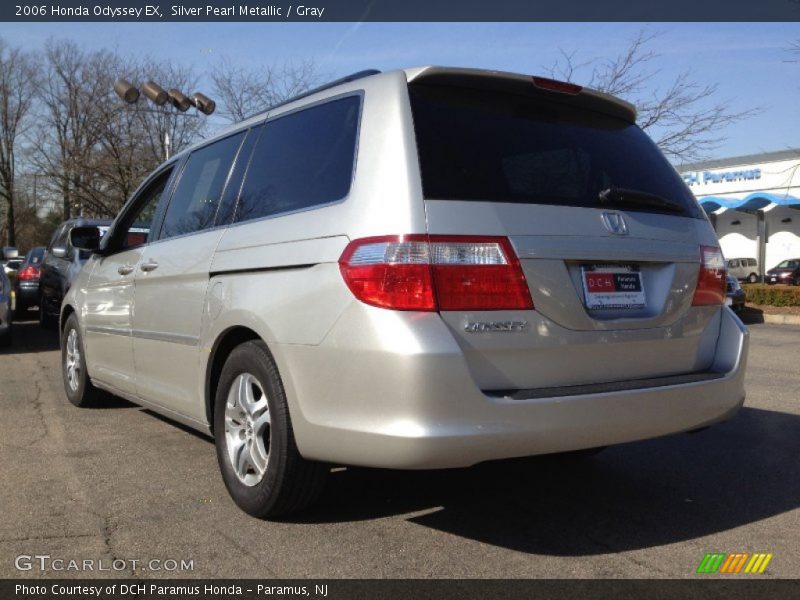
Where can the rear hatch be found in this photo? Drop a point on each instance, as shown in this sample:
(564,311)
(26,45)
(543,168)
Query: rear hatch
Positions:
(607,235)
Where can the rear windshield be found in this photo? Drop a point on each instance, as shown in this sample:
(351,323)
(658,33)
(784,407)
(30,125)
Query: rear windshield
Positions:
(35,256)
(488,146)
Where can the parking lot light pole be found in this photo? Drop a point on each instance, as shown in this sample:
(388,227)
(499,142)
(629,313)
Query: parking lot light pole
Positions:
(161,98)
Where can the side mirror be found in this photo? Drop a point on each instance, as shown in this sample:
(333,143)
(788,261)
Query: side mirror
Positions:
(59,252)
(84,238)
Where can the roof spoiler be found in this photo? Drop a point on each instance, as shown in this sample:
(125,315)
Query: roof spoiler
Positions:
(565,92)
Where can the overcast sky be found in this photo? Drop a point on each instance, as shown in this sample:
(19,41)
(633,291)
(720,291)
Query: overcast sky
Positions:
(750,61)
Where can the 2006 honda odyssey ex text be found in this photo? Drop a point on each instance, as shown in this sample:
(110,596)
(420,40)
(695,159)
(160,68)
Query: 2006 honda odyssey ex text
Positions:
(414,269)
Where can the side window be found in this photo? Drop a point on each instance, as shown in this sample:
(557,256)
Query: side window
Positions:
(301,160)
(732,264)
(193,206)
(751,262)
(227,204)
(134,228)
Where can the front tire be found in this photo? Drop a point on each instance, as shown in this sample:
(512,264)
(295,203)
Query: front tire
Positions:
(753,278)
(77,385)
(256,450)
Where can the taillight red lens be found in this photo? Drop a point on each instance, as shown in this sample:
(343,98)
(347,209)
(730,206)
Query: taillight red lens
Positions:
(711,280)
(439,272)
(28,273)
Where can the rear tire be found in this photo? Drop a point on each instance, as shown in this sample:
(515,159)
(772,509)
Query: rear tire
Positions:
(77,385)
(256,450)
(753,278)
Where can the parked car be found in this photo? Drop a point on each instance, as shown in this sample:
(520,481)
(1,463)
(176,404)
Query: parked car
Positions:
(744,269)
(735,295)
(787,271)
(27,280)
(423,268)
(6,309)
(61,263)
(9,259)
(11,267)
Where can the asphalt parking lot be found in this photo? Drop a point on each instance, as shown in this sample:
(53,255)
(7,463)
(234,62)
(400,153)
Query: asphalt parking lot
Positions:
(122,483)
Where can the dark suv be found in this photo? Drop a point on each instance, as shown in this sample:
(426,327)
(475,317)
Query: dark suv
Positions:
(61,264)
(27,281)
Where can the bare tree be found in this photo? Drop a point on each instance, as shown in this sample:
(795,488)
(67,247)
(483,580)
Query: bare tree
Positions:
(93,148)
(685,118)
(17,79)
(182,129)
(242,92)
(74,86)
(133,137)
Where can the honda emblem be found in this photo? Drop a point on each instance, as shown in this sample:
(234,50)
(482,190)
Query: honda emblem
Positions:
(615,223)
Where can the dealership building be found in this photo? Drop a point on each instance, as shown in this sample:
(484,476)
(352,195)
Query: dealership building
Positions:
(753,202)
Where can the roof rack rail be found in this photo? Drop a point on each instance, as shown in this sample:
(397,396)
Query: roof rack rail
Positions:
(326,86)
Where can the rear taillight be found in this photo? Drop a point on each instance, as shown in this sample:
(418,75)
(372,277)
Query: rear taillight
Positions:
(28,273)
(437,272)
(711,280)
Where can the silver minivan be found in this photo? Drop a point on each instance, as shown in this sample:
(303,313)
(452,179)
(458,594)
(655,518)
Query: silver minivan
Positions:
(423,268)
(744,269)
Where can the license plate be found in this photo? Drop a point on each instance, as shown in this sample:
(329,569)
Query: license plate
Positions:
(773,279)
(607,287)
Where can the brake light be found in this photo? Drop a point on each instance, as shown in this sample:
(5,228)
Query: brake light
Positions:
(28,273)
(711,280)
(437,272)
(553,85)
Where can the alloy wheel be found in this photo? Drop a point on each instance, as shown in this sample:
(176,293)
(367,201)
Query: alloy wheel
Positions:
(72,360)
(247,429)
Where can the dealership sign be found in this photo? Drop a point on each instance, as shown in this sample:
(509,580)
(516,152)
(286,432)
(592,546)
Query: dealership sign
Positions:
(706,177)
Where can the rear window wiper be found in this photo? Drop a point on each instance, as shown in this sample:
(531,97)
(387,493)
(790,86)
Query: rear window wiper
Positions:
(622,196)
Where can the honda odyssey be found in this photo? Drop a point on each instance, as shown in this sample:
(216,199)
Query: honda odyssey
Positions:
(416,269)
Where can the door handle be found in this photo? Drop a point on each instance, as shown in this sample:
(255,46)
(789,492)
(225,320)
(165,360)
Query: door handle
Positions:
(150,265)
(125,270)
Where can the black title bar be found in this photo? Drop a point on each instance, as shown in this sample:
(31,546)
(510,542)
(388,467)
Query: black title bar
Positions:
(732,588)
(403,10)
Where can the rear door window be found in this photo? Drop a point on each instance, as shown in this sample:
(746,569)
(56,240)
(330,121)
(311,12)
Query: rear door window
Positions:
(194,202)
(301,160)
(490,146)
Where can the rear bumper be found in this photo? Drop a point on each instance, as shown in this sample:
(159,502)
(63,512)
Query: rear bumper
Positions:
(27,295)
(416,410)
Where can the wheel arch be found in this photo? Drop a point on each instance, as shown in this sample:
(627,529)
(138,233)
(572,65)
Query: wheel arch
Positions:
(221,349)
(66,311)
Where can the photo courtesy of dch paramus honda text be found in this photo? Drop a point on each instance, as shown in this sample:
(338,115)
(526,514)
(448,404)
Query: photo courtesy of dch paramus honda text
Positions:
(422,268)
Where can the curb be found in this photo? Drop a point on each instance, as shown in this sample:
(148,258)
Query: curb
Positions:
(782,319)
